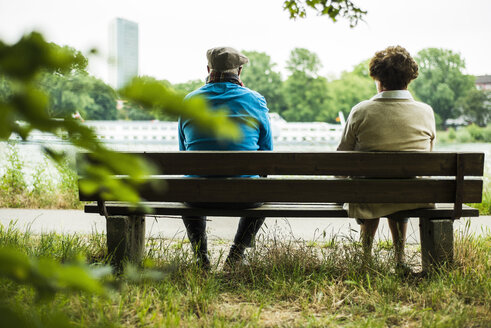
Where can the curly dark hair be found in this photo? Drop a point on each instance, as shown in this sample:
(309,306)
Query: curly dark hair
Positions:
(394,68)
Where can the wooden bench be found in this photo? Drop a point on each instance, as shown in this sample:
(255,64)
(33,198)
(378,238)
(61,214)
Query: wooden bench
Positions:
(302,185)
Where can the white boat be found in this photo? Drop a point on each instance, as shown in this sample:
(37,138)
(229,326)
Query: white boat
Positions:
(164,132)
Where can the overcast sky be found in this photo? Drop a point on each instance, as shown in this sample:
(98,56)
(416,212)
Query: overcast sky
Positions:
(175,34)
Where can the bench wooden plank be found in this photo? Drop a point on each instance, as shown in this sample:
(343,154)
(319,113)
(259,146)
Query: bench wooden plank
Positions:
(305,182)
(373,164)
(326,210)
(302,190)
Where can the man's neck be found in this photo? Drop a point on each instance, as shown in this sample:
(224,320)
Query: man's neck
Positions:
(219,77)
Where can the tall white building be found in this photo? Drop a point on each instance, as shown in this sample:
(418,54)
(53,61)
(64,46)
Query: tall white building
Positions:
(123,52)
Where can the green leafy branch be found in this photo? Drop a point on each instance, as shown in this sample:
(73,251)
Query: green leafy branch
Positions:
(26,108)
(152,94)
(331,8)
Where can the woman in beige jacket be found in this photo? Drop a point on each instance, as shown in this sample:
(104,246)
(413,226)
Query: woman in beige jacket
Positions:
(390,121)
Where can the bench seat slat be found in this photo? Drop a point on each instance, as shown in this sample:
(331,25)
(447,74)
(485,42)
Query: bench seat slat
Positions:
(374,164)
(311,190)
(327,210)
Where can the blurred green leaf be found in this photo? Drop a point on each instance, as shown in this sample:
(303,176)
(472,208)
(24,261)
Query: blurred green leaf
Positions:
(32,53)
(151,93)
(46,275)
(43,80)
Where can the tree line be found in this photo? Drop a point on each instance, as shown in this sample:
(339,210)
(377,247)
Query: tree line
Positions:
(303,96)
(306,96)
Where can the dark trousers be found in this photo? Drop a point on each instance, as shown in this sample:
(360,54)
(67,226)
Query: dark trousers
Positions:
(246,231)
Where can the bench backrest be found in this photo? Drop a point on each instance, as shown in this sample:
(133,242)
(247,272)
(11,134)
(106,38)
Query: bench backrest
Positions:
(374,177)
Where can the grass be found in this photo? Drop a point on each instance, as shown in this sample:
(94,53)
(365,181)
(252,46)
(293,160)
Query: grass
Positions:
(288,283)
(39,190)
(484,207)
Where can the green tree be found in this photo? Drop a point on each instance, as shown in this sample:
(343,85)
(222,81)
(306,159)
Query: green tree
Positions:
(79,92)
(305,92)
(476,106)
(303,60)
(259,75)
(132,112)
(104,97)
(347,91)
(188,86)
(441,82)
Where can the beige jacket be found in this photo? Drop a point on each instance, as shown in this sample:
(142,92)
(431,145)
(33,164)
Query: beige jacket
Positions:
(390,121)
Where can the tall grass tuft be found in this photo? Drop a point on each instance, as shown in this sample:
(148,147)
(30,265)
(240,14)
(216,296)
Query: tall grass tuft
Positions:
(43,190)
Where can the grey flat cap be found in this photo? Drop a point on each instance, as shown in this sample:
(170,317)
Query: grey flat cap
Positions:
(224,58)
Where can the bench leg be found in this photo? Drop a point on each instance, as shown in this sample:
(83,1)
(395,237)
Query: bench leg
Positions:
(125,239)
(436,242)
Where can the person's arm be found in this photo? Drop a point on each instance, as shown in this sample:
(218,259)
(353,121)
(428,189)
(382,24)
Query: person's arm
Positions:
(348,138)
(265,141)
(182,138)
(433,130)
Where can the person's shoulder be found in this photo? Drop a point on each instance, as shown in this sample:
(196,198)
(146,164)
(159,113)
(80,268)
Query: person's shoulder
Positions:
(363,105)
(201,90)
(423,105)
(253,95)
(250,92)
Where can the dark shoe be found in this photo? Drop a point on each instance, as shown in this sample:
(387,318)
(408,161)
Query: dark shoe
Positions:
(403,270)
(235,256)
(199,244)
(203,262)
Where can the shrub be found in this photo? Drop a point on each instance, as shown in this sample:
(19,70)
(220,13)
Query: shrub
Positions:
(40,189)
(12,183)
(463,136)
(475,132)
(487,133)
(451,134)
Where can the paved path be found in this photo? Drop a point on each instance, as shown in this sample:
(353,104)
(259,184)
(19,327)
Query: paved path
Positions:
(76,221)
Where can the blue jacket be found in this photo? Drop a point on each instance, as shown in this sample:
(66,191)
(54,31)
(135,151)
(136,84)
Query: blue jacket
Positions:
(247,108)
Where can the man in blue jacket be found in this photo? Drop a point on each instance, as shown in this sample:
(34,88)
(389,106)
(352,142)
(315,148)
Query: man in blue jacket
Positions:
(224,89)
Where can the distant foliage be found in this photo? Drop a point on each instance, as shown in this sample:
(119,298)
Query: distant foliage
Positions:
(260,74)
(476,106)
(304,61)
(304,95)
(189,86)
(81,93)
(305,92)
(441,82)
(470,133)
(347,91)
